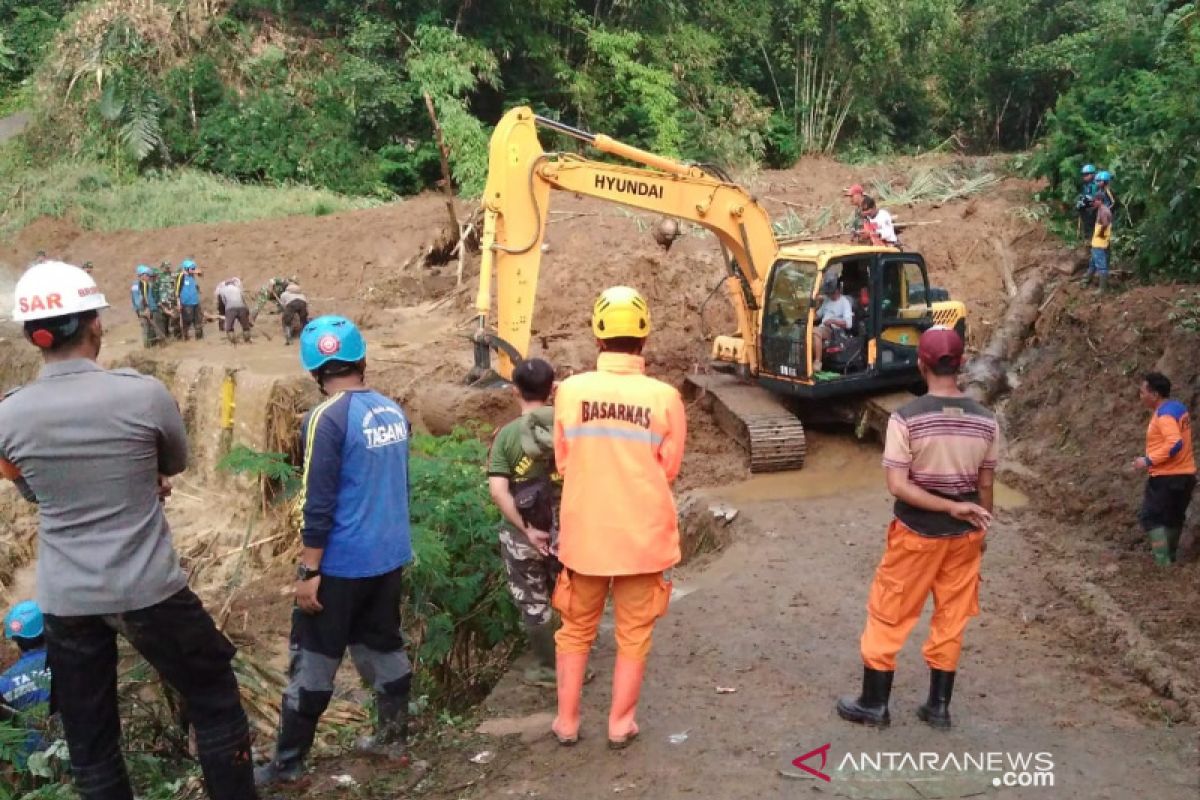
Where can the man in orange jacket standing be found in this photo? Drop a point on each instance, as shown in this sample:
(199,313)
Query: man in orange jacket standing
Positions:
(1171,465)
(618,443)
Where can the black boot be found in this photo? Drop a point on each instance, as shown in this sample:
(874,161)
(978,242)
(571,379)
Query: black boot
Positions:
(870,707)
(541,644)
(296,734)
(226,761)
(391,731)
(936,710)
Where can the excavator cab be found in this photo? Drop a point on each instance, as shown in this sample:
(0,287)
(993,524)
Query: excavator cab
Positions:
(892,304)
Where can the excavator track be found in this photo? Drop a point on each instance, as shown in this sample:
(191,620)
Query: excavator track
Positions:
(755,418)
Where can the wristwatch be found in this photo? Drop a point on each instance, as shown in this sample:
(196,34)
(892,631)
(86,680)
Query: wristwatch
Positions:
(305,572)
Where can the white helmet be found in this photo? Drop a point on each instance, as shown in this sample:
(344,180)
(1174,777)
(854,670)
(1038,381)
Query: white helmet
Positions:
(54,289)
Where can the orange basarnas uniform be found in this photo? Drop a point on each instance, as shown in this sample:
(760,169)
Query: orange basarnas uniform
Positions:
(618,442)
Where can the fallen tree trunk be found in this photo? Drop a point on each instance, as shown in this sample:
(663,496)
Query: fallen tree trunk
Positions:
(987,374)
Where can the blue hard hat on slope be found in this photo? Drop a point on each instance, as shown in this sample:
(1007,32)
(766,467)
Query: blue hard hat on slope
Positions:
(187,265)
(144,270)
(1104,175)
(1088,169)
(331,338)
(24,621)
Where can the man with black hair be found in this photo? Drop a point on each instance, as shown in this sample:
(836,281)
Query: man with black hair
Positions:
(355,528)
(105,561)
(940,456)
(1171,465)
(525,487)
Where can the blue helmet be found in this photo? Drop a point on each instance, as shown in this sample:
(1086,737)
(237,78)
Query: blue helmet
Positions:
(24,621)
(144,270)
(330,338)
(1088,169)
(188,265)
(1104,175)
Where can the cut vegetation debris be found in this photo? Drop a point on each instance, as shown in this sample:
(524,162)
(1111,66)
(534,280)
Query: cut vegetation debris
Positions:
(933,186)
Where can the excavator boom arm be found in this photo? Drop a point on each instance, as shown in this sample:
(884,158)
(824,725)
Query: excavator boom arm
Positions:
(516,207)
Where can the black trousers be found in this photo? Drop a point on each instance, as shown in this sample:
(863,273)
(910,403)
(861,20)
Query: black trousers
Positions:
(191,317)
(1165,501)
(361,615)
(179,639)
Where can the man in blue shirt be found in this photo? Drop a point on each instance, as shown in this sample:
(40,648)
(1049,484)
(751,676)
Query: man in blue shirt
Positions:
(187,293)
(354,499)
(25,686)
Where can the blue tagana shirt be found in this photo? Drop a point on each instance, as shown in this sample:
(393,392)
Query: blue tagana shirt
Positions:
(189,290)
(355,484)
(25,688)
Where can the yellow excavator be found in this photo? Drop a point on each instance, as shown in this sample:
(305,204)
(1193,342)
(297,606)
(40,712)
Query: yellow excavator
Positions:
(765,369)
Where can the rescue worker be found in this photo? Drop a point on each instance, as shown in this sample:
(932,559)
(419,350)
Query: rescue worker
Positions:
(168,301)
(1101,238)
(105,560)
(618,443)
(835,316)
(144,295)
(1104,190)
(187,294)
(231,305)
(1083,204)
(1171,465)
(878,224)
(855,193)
(270,293)
(940,456)
(354,503)
(25,686)
(525,486)
(295,312)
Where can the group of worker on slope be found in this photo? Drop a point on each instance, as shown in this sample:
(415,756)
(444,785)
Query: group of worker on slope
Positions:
(582,479)
(168,304)
(1096,205)
(870,224)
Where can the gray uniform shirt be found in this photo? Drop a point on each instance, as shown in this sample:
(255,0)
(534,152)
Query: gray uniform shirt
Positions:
(91,444)
(231,295)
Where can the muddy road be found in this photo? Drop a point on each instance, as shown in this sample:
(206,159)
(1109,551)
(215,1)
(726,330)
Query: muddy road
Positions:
(777,616)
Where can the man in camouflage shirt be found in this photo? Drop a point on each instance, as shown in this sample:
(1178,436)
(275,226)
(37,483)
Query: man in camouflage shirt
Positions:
(526,488)
(270,293)
(164,283)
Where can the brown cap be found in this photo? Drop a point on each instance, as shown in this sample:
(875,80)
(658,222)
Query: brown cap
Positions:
(854,189)
(940,347)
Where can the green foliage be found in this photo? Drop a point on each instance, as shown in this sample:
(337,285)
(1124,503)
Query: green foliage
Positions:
(99,197)
(1133,113)
(275,467)
(457,596)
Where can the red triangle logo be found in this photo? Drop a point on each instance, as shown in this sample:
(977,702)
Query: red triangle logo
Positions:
(823,752)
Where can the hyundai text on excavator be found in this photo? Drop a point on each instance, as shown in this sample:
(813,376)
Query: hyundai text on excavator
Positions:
(764,369)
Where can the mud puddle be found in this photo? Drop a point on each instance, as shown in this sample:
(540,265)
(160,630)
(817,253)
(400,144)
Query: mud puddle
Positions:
(836,464)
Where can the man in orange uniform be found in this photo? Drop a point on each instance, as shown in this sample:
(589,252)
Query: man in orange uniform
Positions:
(940,458)
(618,443)
(1171,465)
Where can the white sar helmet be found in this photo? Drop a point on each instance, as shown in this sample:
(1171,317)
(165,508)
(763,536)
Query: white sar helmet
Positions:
(54,289)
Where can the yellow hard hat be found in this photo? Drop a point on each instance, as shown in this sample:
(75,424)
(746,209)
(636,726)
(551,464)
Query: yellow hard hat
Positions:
(621,311)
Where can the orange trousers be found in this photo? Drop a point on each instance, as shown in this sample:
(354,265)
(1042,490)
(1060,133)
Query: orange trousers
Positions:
(638,602)
(912,567)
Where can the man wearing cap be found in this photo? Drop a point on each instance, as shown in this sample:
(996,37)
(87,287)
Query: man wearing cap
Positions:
(835,315)
(855,193)
(25,686)
(105,560)
(940,456)
(878,224)
(1083,204)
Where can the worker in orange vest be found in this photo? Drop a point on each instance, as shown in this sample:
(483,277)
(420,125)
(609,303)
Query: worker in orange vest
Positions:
(618,443)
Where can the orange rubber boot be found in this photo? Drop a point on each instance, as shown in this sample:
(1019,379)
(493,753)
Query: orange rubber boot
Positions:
(627,688)
(570,669)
